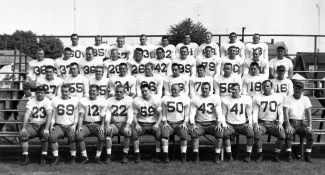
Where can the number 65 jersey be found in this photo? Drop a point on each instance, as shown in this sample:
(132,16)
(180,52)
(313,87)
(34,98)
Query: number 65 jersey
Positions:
(119,110)
(39,109)
(93,109)
(65,110)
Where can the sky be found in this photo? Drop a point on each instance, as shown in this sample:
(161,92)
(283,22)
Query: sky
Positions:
(153,17)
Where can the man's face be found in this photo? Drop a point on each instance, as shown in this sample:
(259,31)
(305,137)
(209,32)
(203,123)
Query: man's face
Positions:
(267,87)
(66,54)
(74,70)
(89,54)
(208,52)
(40,55)
(254,70)
(119,93)
(184,53)
(138,55)
(65,93)
(93,92)
(227,70)
(280,73)
(120,42)
(232,52)
(49,74)
(235,91)
(256,55)
(175,90)
(256,39)
(187,39)
(74,40)
(99,73)
(123,70)
(281,52)
(143,40)
(200,72)
(148,70)
(205,90)
(145,92)
(164,42)
(208,38)
(160,54)
(297,90)
(40,95)
(175,70)
(98,41)
(114,55)
(232,38)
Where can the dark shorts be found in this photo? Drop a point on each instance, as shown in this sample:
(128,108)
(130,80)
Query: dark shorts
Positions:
(175,128)
(239,129)
(147,128)
(300,128)
(118,128)
(206,128)
(34,130)
(62,131)
(268,127)
(88,130)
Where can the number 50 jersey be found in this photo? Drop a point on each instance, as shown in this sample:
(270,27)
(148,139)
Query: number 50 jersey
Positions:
(175,111)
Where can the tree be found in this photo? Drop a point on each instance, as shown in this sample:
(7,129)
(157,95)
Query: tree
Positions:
(196,30)
(53,47)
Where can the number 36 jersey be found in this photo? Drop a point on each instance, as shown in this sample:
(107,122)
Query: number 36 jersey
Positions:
(235,109)
(175,111)
(64,110)
(146,110)
(119,110)
(39,109)
(93,109)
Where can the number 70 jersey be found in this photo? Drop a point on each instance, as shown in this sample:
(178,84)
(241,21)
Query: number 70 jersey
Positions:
(266,107)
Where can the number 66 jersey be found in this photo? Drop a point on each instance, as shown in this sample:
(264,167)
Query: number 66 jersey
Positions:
(65,110)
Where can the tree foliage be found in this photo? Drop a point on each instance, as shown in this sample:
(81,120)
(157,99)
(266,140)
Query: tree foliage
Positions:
(196,30)
(53,47)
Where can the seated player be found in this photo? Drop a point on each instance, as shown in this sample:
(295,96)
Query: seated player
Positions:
(233,42)
(252,82)
(128,81)
(281,84)
(125,51)
(64,122)
(101,82)
(88,65)
(197,80)
(148,49)
(37,66)
(155,81)
(162,64)
(187,64)
(205,116)
(50,82)
(191,46)
(281,60)
(62,65)
(100,50)
(236,61)
(38,111)
(296,108)
(235,108)
(119,118)
(263,63)
(208,42)
(168,48)
(266,107)
(136,64)
(77,50)
(111,65)
(175,110)
(211,62)
(146,120)
(223,83)
(92,112)
(176,78)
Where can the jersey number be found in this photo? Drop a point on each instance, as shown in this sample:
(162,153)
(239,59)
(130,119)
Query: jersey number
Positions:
(119,111)
(144,111)
(171,106)
(68,110)
(38,112)
(272,105)
(209,107)
(235,109)
(93,110)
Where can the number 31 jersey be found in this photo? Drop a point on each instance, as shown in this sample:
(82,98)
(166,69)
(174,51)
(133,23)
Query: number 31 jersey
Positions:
(120,110)
(65,110)
(38,109)
(147,109)
(175,107)
(235,108)
(93,109)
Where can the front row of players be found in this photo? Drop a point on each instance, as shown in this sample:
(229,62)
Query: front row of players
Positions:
(76,119)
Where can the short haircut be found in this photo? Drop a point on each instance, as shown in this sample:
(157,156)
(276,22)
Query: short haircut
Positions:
(149,64)
(232,33)
(206,83)
(74,34)
(254,64)
(98,36)
(143,35)
(208,47)
(184,47)
(145,85)
(232,47)
(161,49)
(265,81)
(50,67)
(74,64)
(40,88)
(119,86)
(114,49)
(123,64)
(175,64)
(256,34)
(120,37)
(200,66)
(281,67)
(67,49)
(40,49)
(187,34)
(138,50)
(94,86)
(227,64)
(165,37)
(208,33)
(101,67)
(90,48)
(234,85)
(65,86)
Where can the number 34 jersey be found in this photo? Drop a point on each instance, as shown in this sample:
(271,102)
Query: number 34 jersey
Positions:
(39,109)
(93,109)
(175,111)
(234,109)
(120,110)
(64,110)
(146,110)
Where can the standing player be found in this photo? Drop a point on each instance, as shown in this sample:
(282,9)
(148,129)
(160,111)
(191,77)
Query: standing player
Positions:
(88,64)
(50,82)
(77,51)
(101,82)
(148,49)
(38,110)
(233,42)
(125,51)
(191,46)
(111,65)
(123,79)
(155,81)
(211,62)
(92,112)
(168,48)
(256,45)
(235,108)
(162,64)
(196,81)
(147,118)
(266,108)
(62,65)
(208,42)
(223,83)
(37,67)
(263,64)
(252,82)
(136,65)
(296,107)
(100,50)
(187,64)
(236,61)
(205,117)
(282,84)
(175,109)
(64,122)
(118,120)
(176,78)
(281,60)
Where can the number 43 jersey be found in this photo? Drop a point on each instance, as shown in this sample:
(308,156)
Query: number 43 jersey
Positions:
(146,110)
(120,110)
(234,109)
(39,109)
(175,111)
(202,108)
(64,110)
(93,109)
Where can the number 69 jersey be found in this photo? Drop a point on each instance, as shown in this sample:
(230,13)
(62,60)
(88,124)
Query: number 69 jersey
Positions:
(93,109)
(119,110)
(38,109)
(203,108)
(146,110)
(65,110)
(234,109)
(175,107)
(268,107)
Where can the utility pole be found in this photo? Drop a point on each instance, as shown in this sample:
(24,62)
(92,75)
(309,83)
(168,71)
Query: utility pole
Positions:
(75,17)
(318,22)
(243,34)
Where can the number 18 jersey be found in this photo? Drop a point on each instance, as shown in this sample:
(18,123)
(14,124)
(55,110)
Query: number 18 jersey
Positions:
(93,109)
(175,107)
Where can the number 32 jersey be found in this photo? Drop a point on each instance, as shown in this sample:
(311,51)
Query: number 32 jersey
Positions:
(39,109)
(120,110)
(93,109)
(65,110)
(175,111)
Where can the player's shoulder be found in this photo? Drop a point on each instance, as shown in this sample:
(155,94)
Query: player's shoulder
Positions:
(218,77)
(185,98)
(194,44)
(226,98)
(246,98)
(215,98)
(166,98)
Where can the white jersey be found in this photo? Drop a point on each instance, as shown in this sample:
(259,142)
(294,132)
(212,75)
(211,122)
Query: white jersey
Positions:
(237,63)
(129,83)
(101,51)
(186,66)
(262,47)
(103,85)
(175,107)
(155,82)
(223,85)
(203,108)
(263,65)
(241,48)
(37,68)
(211,65)
(162,66)
(169,51)
(192,49)
(196,83)
(283,87)
(267,108)
(125,50)
(88,68)
(286,62)
(63,66)
(38,109)
(147,49)
(146,110)
(65,111)
(252,84)
(234,109)
(111,67)
(181,80)
(215,49)
(77,51)
(51,86)
(137,68)
(79,86)
(120,110)
(297,107)
(93,110)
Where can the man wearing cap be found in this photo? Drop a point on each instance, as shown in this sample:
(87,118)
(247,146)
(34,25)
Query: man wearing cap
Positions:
(282,84)
(281,60)
(296,107)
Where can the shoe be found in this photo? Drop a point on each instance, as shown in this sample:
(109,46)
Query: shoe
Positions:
(183,157)
(229,157)
(259,157)
(217,158)
(97,160)
(72,160)
(26,160)
(196,157)
(166,158)
(289,156)
(137,158)
(108,159)
(276,157)
(248,158)
(125,158)
(308,157)
(56,160)
(157,156)
(85,160)
(43,160)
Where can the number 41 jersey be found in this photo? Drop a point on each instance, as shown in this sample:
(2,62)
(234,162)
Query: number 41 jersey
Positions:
(65,110)
(236,108)
(120,110)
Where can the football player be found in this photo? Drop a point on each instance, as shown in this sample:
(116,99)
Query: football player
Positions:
(64,121)
(191,46)
(155,81)
(263,64)
(168,48)
(77,50)
(233,42)
(211,62)
(236,61)
(37,67)
(123,79)
(111,65)
(88,64)
(208,42)
(100,50)
(256,45)
(136,65)
(148,49)
(50,82)
(92,112)
(281,60)
(175,110)
(62,65)
(266,107)
(162,64)
(252,82)
(223,83)
(119,118)
(38,110)
(125,51)
(282,84)
(101,82)
(196,81)
(205,116)
(176,78)
(147,118)
(187,64)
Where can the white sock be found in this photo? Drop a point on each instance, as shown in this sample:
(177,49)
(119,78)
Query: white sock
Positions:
(308,150)
(25,153)
(109,151)
(165,149)
(259,150)
(183,149)
(228,149)
(249,149)
(84,153)
(44,153)
(98,153)
(158,150)
(218,150)
(56,153)
(289,149)
(126,150)
(277,150)
(196,150)
(73,153)
(137,150)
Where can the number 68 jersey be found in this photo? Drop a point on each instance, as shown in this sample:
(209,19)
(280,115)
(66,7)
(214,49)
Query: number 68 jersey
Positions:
(39,109)
(175,111)
(64,110)
(93,109)
(119,110)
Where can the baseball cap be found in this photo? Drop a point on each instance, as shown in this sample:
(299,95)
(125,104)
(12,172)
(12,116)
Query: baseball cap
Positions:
(299,84)
(281,67)
(281,47)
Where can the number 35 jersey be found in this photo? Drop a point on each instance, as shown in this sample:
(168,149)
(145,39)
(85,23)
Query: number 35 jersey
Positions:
(39,109)
(119,110)
(146,110)
(64,110)
(235,109)
(175,111)
(266,107)
(93,109)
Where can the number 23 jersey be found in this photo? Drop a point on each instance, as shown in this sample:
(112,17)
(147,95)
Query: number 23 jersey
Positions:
(38,109)
(65,110)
